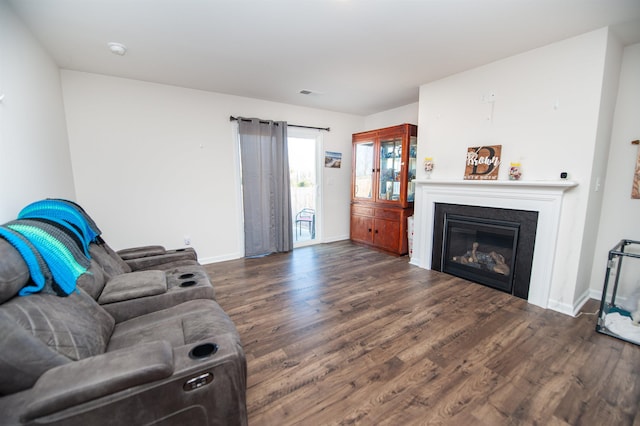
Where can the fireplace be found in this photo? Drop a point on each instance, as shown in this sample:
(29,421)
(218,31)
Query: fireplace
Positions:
(543,197)
(490,246)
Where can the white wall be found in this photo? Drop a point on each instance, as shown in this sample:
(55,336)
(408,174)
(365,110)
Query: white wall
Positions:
(620,213)
(33,135)
(392,117)
(153,163)
(613,60)
(545,115)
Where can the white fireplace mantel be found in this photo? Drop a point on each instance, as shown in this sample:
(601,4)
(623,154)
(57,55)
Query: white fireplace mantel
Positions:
(545,197)
(514,184)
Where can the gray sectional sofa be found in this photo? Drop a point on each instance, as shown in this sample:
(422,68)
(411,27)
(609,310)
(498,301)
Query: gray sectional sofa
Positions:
(139,341)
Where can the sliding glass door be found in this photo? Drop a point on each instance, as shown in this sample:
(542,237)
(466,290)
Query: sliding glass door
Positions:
(304,154)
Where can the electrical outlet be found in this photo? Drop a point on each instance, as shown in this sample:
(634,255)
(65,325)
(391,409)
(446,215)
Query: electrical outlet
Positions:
(187,240)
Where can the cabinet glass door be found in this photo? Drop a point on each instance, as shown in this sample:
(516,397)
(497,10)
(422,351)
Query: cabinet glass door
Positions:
(390,168)
(413,164)
(363,171)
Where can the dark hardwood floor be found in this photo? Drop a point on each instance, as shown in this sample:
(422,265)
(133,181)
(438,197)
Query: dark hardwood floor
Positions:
(340,334)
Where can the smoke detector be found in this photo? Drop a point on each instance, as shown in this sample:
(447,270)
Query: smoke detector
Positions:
(310,92)
(117,48)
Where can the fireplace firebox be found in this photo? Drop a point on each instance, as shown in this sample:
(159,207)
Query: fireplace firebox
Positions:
(480,250)
(490,246)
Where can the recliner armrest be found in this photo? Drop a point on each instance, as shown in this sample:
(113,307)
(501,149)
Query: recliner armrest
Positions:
(142,251)
(91,378)
(162,259)
(133,285)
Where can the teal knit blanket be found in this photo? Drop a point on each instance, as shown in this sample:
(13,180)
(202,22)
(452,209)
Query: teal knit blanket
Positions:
(38,269)
(66,213)
(64,260)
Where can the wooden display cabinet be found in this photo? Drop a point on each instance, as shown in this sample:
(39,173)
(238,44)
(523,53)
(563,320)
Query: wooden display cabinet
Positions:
(382,189)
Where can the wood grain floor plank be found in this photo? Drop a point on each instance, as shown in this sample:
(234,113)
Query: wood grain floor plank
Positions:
(339,334)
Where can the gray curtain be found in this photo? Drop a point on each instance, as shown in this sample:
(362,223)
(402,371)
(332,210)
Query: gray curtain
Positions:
(265,186)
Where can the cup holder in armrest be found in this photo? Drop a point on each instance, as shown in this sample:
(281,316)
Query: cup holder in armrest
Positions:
(180,249)
(188,283)
(202,351)
(186,276)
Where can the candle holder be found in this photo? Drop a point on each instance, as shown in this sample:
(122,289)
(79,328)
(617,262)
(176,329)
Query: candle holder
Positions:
(515,171)
(428,166)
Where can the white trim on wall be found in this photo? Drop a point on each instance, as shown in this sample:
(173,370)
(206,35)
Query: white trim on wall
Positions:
(544,197)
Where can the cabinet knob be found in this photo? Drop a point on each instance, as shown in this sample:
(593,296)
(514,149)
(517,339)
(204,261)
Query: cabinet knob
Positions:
(376,231)
(369,229)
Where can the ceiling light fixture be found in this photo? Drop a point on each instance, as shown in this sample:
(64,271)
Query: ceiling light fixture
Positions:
(117,48)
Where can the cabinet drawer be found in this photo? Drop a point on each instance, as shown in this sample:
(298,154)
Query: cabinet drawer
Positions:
(388,214)
(362,210)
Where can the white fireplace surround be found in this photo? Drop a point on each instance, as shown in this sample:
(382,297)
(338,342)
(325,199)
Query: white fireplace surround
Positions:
(545,197)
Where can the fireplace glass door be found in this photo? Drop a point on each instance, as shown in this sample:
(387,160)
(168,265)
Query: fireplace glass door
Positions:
(480,250)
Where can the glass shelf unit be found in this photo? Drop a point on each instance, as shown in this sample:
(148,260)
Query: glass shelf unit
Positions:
(619,314)
(384,165)
(383,191)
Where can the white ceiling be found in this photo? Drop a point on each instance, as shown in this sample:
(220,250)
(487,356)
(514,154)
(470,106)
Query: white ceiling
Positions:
(358,56)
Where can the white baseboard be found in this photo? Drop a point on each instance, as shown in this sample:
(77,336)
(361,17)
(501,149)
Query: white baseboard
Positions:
(335,239)
(233,256)
(572,309)
(216,259)
(563,308)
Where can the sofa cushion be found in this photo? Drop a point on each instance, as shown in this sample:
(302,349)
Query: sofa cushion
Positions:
(93,281)
(111,263)
(74,326)
(23,357)
(127,309)
(133,285)
(14,272)
(187,323)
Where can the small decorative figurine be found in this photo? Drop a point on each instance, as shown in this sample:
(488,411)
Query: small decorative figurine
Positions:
(515,173)
(428,166)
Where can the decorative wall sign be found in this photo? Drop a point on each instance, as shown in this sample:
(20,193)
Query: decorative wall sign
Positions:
(635,190)
(483,162)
